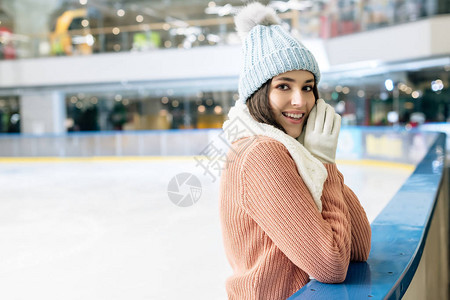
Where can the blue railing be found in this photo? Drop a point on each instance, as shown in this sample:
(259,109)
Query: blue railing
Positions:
(399,234)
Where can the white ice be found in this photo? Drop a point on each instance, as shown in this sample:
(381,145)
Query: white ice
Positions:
(106,229)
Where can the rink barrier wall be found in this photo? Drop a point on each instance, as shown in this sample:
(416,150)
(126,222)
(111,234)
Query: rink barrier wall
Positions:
(409,253)
(105,143)
(378,143)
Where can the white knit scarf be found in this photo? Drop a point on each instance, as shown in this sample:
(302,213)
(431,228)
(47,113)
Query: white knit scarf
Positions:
(310,168)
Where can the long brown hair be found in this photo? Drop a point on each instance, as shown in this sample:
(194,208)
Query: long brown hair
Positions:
(259,107)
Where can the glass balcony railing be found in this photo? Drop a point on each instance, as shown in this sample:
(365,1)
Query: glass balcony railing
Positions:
(82,27)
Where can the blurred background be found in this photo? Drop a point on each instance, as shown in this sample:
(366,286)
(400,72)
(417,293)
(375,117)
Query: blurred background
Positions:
(131,95)
(110,65)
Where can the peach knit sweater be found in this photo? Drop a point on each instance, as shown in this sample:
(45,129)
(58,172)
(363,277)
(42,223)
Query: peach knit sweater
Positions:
(274,236)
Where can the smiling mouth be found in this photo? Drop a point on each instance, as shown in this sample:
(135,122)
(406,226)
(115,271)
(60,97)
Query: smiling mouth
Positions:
(296,117)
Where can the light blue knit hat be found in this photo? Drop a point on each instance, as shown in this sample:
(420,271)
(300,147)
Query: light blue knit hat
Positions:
(268,50)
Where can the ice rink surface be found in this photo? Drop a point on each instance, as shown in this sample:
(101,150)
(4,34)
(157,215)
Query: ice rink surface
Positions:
(106,228)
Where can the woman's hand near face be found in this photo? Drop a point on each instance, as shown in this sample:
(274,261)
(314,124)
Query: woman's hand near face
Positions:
(321,132)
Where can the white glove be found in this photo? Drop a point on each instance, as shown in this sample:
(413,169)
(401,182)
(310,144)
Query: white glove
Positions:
(321,132)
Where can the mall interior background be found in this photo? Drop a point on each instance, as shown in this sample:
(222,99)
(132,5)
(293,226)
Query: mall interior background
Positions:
(102,65)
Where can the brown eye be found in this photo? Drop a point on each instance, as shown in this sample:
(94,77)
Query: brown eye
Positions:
(308,88)
(283,87)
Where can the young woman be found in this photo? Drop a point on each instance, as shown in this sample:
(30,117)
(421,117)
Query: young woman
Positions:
(286,213)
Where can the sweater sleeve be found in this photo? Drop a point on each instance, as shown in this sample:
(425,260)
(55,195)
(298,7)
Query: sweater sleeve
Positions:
(275,196)
(361,232)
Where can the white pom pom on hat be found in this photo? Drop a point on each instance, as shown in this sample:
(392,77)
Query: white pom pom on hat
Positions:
(252,15)
(268,49)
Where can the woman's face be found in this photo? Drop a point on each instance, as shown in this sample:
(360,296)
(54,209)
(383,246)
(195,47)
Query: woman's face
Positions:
(291,98)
